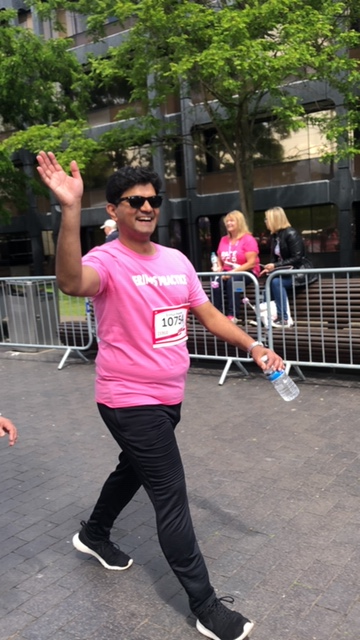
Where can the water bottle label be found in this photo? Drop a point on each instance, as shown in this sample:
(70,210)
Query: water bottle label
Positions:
(275,375)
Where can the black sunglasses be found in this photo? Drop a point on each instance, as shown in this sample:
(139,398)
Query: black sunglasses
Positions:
(136,202)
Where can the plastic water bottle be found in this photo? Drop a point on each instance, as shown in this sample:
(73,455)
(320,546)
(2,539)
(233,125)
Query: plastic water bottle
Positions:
(214,261)
(214,267)
(282,382)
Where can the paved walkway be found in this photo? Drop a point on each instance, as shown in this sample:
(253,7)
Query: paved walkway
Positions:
(274,490)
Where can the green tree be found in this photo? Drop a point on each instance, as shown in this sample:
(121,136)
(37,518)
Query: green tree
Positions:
(12,186)
(242,59)
(42,100)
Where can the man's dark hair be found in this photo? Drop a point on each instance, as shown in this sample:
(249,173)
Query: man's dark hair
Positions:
(128,177)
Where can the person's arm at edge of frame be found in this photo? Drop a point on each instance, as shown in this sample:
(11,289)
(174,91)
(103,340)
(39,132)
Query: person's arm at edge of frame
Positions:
(73,278)
(215,322)
(7,427)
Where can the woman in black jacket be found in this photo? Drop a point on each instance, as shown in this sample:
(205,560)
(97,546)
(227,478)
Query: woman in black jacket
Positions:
(287,251)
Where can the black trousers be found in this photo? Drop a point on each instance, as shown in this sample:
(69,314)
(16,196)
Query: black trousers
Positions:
(150,457)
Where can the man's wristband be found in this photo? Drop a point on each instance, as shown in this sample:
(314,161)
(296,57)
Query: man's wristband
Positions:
(253,345)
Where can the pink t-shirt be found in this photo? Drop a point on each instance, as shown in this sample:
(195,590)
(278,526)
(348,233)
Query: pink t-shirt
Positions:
(235,253)
(141,310)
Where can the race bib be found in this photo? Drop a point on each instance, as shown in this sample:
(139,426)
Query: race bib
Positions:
(170,325)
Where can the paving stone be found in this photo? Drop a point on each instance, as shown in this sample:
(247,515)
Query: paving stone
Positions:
(13,598)
(319,624)
(145,551)
(339,596)
(273,489)
(45,600)
(12,622)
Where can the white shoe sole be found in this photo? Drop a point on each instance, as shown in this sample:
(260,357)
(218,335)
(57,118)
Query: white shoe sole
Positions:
(84,549)
(283,326)
(209,634)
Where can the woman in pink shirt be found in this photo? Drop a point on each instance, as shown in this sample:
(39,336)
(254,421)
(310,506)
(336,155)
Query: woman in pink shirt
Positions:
(237,252)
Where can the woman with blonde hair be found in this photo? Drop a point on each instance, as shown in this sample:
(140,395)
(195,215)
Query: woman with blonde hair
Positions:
(237,253)
(287,251)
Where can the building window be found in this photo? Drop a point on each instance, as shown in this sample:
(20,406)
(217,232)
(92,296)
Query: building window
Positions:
(178,235)
(25,19)
(75,23)
(15,249)
(64,22)
(210,155)
(141,156)
(279,158)
(318,226)
(207,240)
(116,93)
(48,243)
(173,160)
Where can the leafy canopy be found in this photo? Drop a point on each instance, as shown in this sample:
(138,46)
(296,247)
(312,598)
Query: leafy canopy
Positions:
(239,61)
(40,81)
(42,103)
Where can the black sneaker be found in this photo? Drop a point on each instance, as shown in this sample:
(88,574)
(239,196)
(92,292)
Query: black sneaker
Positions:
(220,623)
(107,552)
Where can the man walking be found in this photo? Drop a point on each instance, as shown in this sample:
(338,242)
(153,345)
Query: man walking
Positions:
(142,293)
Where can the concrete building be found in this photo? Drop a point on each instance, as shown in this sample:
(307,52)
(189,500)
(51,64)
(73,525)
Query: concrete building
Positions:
(321,200)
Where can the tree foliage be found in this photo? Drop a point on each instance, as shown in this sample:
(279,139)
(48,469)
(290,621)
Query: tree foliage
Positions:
(242,60)
(39,80)
(67,139)
(12,186)
(41,100)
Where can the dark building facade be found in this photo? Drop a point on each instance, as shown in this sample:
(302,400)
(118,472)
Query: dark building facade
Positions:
(321,200)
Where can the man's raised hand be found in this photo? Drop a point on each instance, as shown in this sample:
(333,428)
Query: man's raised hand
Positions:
(67,189)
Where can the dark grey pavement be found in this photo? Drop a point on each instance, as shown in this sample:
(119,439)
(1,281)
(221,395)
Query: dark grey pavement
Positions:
(274,489)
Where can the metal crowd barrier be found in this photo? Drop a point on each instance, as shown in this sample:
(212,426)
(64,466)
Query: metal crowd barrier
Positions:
(326,321)
(246,298)
(326,316)
(35,315)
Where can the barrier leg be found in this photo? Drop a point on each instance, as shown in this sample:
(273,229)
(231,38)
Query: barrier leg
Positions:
(297,369)
(241,367)
(299,372)
(227,367)
(66,355)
